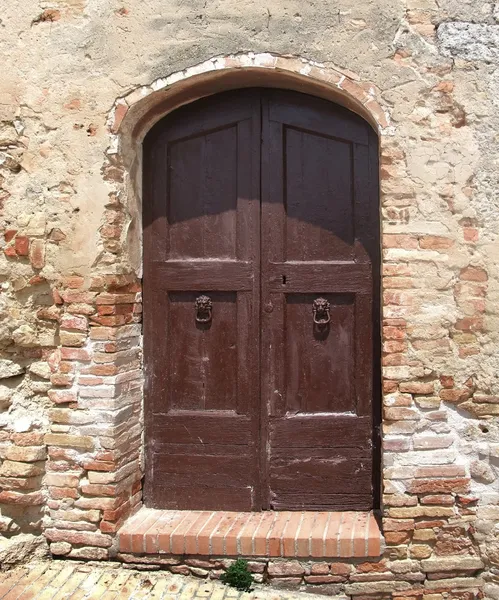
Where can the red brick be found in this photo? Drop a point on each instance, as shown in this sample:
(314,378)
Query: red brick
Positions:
(71,296)
(470,234)
(439,499)
(469,324)
(73,282)
(422,486)
(394,333)
(341,569)
(397,537)
(50,314)
(22,245)
(85,538)
(408,242)
(61,380)
(9,234)
(62,396)
(317,579)
(116,298)
(37,254)
(396,445)
(75,354)
(303,536)
(37,280)
(440,471)
(398,524)
(104,466)
(61,493)
(473,274)
(417,387)
(447,381)
(119,114)
(26,499)
(72,322)
(394,346)
(401,413)
(27,439)
(455,395)
(390,387)
(435,242)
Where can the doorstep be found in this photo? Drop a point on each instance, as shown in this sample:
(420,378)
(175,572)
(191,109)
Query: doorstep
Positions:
(266,534)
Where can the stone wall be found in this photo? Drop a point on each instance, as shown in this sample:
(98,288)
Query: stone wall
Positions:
(85,79)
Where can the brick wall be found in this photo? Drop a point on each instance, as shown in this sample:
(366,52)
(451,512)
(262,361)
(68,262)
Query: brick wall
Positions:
(70,365)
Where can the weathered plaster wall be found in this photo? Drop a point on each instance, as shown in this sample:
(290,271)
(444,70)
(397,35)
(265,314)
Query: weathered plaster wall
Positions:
(78,74)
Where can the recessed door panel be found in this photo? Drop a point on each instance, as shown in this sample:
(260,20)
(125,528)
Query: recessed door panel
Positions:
(318,197)
(202,199)
(202,358)
(319,360)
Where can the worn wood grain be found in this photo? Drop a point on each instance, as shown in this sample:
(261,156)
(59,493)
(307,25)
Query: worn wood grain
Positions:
(266,202)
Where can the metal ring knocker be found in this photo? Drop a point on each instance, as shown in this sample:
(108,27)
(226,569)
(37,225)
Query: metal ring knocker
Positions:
(204,309)
(320,310)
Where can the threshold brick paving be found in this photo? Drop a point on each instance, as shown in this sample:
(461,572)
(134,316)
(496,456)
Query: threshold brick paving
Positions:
(284,534)
(68,580)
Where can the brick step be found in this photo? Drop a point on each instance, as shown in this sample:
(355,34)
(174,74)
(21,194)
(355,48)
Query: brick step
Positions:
(265,534)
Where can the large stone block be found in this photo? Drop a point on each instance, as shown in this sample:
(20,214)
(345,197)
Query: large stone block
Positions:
(471,41)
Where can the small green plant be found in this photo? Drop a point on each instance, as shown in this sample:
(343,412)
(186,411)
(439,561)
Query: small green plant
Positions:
(238,576)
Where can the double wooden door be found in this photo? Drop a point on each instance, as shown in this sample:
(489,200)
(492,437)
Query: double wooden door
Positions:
(261,257)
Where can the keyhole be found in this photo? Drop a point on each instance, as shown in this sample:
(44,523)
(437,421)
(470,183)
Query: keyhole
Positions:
(284,280)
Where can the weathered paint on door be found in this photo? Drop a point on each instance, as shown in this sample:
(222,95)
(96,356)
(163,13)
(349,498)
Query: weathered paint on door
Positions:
(261,258)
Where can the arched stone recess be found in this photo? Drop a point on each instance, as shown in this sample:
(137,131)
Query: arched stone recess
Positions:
(102,441)
(134,114)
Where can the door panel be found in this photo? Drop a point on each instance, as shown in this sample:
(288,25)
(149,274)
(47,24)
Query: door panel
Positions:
(203,359)
(202,200)
(266,202)
(316,227)
(202,184)
(319,365)
(316,378)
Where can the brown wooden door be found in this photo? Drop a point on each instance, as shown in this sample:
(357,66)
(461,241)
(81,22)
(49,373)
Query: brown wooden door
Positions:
(201,211)
(265,204)
(319,243)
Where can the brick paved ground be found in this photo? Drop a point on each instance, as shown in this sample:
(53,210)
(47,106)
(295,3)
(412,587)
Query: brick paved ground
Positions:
(64,580)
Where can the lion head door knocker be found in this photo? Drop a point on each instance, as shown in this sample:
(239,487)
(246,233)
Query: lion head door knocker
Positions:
(320,310)
(203,307)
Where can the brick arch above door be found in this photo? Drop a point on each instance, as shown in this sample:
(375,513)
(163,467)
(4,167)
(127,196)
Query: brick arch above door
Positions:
(133,115)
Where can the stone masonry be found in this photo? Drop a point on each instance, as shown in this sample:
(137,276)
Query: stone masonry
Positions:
(83,81)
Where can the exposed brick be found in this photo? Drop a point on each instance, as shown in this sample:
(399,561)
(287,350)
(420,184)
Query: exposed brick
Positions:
(435,486)
(473,274)
(79,537)
(72,441)
(62,396)
(400,241)
(12,468)
(22,499)
(435,242)
(75,354)
(37,253)
(416,387)
(26,453)
(22,245)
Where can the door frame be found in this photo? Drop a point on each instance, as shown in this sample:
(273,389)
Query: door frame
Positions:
(376,400)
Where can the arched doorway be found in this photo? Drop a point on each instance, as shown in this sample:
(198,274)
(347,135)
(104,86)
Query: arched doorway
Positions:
(261,304)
